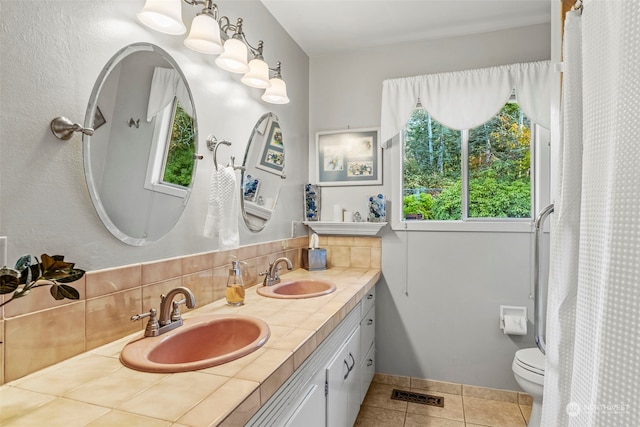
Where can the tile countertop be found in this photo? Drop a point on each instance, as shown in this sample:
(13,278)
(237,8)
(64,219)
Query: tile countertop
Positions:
(95,389)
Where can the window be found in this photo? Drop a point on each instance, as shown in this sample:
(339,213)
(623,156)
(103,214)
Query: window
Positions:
(171,161)
(476,174)
(178,164)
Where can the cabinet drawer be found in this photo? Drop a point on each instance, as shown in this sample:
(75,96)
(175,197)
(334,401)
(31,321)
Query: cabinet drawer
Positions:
(367,330)
(367,370)
(368,301)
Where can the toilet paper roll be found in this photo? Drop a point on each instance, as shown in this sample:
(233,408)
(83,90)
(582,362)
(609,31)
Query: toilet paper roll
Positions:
(515,325)
(337,213)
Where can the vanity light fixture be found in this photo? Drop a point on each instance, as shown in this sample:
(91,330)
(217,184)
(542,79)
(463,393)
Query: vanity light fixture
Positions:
(277,92)
(214,35)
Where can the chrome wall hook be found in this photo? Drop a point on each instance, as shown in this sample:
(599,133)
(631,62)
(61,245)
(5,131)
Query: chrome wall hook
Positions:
(64,128)
(135,123)
(232,163)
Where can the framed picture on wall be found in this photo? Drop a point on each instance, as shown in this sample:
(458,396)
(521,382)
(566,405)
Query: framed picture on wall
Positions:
(272,157)
(349,157)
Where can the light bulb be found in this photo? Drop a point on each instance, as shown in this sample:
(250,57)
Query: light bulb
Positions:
(258,74)
(234,57)
(164,16)
(204,36)
(277,93)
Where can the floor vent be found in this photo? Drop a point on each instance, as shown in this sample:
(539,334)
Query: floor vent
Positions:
(423,399)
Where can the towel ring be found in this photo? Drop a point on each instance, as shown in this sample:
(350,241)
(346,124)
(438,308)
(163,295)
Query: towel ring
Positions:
(212,145)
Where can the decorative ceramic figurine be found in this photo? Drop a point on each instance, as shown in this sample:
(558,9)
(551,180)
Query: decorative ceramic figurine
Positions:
(377,208)
(311,202)
(251,188)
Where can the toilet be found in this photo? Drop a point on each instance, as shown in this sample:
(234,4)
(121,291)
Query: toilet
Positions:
(528,369)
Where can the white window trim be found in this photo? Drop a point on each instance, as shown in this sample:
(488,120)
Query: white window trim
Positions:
(158,154)
(539,194)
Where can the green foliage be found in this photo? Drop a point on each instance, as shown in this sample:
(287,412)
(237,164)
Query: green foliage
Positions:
(179,166)
(432,152)
(499,166)
(491,197)
(448,205)
(419,204)
(488,198)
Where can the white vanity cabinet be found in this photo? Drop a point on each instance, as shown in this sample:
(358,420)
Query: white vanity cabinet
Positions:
(328,388)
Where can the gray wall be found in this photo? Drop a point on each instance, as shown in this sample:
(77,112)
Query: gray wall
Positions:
(52,52)
(446,328)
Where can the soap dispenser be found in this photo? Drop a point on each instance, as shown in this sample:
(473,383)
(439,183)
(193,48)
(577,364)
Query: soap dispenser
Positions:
(235,285)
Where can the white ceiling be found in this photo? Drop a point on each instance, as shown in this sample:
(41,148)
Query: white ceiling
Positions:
(330,26)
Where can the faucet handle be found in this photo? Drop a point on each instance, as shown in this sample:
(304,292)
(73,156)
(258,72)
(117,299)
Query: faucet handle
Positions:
(153,327)
(266,277)
(175,314)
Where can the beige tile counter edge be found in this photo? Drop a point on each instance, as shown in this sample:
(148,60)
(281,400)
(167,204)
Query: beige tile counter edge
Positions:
(297,328)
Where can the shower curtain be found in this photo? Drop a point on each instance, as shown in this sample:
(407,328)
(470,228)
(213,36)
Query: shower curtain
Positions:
(592,375)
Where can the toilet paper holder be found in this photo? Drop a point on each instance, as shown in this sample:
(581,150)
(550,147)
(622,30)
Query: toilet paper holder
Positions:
(513,320)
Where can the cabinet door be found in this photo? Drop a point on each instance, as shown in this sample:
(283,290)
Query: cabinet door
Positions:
(367,370)
(343,383)
(311,411)
(337,372)
(367,331)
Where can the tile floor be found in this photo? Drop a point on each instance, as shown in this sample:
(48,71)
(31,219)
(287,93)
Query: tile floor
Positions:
(460,410)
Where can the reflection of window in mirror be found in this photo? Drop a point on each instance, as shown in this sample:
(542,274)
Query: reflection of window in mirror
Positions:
(170,167)
(178,158)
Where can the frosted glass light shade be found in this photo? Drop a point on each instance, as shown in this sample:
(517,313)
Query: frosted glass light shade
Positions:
(204,36)
(258,74)
(277,93)
(234,57)
(164,16)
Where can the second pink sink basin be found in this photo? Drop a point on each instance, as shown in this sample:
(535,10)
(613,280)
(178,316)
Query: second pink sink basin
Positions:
(296,289)
(201,342)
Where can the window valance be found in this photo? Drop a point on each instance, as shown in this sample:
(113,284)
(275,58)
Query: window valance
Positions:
(467,99)
(166,85)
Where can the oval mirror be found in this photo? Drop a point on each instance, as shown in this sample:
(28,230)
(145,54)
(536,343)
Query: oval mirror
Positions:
(263,172)
(139,163)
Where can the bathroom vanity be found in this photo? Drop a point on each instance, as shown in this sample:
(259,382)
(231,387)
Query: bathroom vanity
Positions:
(330,385)
(317,363)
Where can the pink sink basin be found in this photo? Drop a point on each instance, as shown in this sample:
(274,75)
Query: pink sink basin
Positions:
(296,289)
(201,342)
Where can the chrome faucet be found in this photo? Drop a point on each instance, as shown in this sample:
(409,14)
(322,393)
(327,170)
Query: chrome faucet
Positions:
(272,275)
(170,317)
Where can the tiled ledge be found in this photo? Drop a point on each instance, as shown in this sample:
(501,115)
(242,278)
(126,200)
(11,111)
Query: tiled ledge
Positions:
(38,331)
(95,388)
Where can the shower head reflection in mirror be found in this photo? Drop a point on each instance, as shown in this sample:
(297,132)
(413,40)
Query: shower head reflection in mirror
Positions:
(264,162)
(140,178)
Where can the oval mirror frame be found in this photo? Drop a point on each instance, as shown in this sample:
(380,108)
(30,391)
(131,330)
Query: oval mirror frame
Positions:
(262,173)
(142,217)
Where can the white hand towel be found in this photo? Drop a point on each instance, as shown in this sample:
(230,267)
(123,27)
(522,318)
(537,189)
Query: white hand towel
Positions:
(222,211)
(212,223)
(228,205)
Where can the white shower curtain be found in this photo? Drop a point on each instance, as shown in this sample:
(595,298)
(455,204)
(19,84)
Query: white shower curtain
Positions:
(592,375)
